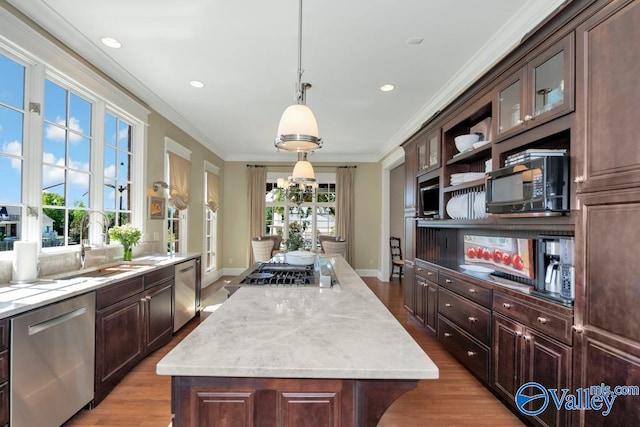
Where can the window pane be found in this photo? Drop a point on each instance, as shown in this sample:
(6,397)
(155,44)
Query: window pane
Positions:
(110,129)
(109,195)
(123,165)
(80,115)
(11,130)
(55,103)
(53,181)
(79,152)
(109,162)
(11,83)
(124,136)
(78,192)
(54,146)
(12,176)
(123,196)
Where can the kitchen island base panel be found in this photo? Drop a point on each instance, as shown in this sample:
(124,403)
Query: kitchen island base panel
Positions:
(276,402)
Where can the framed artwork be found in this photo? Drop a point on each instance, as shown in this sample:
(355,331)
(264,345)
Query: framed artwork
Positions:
(157,207)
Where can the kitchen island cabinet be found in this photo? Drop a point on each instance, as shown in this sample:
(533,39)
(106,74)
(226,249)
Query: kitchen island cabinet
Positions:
(278,355)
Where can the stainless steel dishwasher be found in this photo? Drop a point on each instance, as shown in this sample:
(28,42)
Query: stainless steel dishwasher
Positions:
(185,294)
(52,362)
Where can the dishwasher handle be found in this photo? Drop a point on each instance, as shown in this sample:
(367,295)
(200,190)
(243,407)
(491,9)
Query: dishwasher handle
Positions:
(55,321)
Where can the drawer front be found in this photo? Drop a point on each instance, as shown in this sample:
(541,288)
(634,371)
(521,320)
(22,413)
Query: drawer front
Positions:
(4,366)
(155,277)
(469,290)
(549,323)
(119,291)
(427,273)
(473,355)
(4,334)
(471,317)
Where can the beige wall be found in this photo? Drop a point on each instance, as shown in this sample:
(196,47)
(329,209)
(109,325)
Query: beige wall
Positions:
(367,211)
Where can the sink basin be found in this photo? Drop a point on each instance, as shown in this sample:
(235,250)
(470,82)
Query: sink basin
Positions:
(110,271)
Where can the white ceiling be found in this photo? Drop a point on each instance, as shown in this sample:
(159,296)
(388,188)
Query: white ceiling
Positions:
(245,51)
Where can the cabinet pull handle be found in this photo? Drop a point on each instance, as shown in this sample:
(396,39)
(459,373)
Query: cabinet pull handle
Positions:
(471,319)
(471,353)
(429,273)
(578,329)
(447,305)
(579,179)
(542,320)
(419,269)
(526,337)
(447,280)
(447,334)
(473,291)
(528,117)
(505,305)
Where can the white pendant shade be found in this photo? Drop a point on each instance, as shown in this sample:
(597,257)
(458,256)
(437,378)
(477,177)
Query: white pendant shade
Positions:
(303,171)
(298,129)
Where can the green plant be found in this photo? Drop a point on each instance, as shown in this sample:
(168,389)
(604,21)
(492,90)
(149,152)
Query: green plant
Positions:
(295,240)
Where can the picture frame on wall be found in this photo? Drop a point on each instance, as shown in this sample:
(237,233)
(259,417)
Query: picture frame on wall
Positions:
(157,207)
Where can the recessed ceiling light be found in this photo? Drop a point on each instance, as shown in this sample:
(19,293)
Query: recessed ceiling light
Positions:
(111,42)
(387,87)
(414,40)
(196,83)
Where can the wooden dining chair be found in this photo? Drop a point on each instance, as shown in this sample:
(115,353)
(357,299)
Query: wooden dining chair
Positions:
(262,249)
(396,256)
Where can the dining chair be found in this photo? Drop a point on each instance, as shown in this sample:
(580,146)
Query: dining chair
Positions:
(262,249)
(396,256)
(334,247)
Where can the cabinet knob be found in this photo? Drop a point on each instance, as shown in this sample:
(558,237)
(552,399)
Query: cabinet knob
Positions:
(505,305)
(471,319)
(472,291)
(419,269)
(526,337)
(577,328)
(447,280)
(471,353)
(517,333)
(542,320)
(528,117)
(447,334)
(579,179)
(429,273)
(447,305)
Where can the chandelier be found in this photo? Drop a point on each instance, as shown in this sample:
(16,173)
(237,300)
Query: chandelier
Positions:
(300,186)
(298,129)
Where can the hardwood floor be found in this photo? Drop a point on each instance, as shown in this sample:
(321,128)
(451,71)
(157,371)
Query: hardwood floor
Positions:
(456,399)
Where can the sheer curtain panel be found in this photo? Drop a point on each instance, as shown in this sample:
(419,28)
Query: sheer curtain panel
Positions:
(179,169)
(345,209)
(257,189)
(213,199)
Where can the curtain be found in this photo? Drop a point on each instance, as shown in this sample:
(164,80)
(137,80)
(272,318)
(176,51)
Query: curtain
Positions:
(179,169)
(345,227)
(213,199)
(257,189)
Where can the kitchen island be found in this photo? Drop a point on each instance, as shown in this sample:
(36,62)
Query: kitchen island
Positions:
(291,356)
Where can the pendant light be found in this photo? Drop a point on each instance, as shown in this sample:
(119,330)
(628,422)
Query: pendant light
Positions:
(298,129)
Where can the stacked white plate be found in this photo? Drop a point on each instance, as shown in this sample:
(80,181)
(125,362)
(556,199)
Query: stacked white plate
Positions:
(467,206)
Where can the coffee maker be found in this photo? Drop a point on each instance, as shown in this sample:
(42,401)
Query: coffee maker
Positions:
(555,269)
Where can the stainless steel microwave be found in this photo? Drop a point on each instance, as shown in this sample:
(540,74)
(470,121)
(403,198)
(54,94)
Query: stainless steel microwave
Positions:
(535,187)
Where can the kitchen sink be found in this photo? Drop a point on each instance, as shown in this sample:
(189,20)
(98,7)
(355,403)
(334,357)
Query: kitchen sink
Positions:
(111,270)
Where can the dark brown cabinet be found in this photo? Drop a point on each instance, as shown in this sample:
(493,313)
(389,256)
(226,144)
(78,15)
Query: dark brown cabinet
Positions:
(4,372)
(410,166)
(539,91)
(408,287)
(134,317)
(428,152)
(522,354)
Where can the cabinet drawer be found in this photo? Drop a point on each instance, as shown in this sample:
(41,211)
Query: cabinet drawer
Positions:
(553,324)
(427,273)
(471,317)
(469,290)
(118,291)
(155,277)
(473,355)
(4,366)
(4,334)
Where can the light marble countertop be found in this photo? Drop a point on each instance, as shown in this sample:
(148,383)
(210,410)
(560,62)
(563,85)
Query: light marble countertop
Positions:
(18,298)
(301,332)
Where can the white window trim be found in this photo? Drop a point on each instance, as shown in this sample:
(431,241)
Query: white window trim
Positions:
(209,276)
(44,59)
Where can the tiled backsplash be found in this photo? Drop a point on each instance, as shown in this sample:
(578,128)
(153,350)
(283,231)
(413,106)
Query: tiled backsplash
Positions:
(61,262)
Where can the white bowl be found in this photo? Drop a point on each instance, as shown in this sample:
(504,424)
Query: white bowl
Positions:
(464,142)
(300,257)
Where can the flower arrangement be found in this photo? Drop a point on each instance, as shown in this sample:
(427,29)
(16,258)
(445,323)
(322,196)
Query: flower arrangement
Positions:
(295,240)
(128,236)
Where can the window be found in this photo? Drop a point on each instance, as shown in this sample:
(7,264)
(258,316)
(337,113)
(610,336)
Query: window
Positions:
(177,176)
(211,198)
(68,144)
(312,213)
(12,124)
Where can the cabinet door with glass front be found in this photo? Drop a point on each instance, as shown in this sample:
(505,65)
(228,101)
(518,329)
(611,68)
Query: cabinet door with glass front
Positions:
(429,152)
(540,91)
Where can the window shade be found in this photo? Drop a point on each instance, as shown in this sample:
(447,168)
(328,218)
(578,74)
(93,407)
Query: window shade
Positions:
(213,200)
(179,169)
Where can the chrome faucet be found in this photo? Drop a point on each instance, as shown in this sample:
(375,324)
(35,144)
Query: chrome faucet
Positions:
(105,233)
